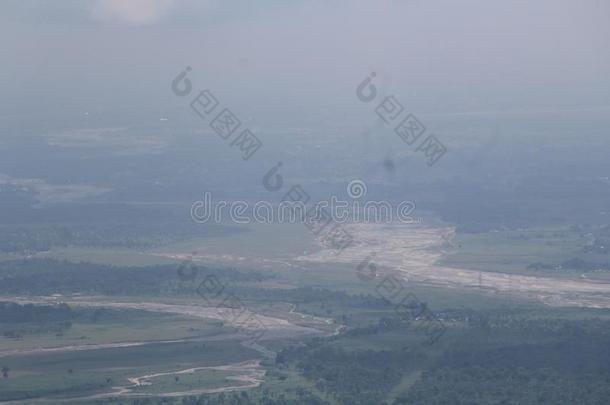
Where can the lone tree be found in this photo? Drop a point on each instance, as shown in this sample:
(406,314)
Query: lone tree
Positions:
(5,371)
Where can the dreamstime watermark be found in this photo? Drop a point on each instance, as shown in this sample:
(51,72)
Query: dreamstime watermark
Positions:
(318,222)
(317,218)
(357,210)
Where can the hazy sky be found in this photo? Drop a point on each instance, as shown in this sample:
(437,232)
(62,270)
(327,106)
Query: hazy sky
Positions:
(291,56)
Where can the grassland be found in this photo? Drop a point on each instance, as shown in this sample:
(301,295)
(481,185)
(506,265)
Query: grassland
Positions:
(90,372)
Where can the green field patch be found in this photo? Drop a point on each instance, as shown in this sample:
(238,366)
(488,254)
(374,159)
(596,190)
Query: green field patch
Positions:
(128,326)
(81,373)
(207,379)
(513,251)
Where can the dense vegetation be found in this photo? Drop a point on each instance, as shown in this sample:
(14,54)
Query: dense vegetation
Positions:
(31,239)
(48,276)
(491,357)
(499,355)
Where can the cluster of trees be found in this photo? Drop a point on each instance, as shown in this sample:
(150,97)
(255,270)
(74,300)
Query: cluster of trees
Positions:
(13,312)
(254,397)
(35,238)
(508,324)
(316,301)
(585,265)
(48,276)
(350,376)
(507,385)
(39,239)
(18,320)
(502,356)
(572,264)
(520,360)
